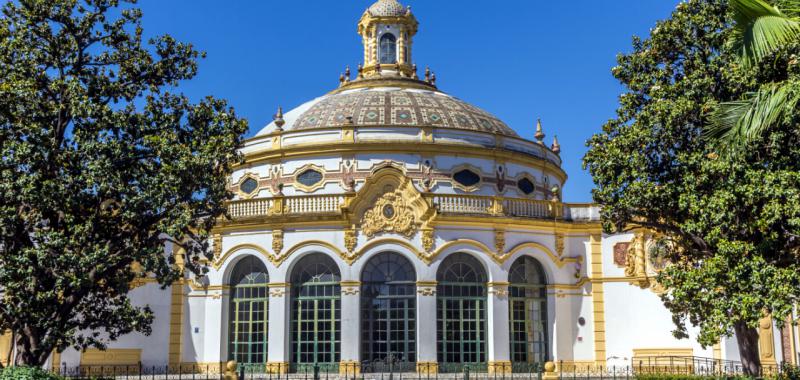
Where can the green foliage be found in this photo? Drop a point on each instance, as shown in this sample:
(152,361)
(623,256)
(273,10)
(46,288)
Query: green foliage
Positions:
(27,373)
(732,221)
(761,28)
(102,165)
(789,372)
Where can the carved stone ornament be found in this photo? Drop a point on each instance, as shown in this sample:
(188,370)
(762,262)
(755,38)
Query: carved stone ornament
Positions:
(350,239)
(390,213)
(500,241)
(427,291)
(217,247)
(277,242)
(621,254)
(560,244)
(350,290)
(428,240)
(277,292)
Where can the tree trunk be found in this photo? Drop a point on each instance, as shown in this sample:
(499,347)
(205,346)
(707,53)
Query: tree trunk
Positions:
(747,339)
(29,351)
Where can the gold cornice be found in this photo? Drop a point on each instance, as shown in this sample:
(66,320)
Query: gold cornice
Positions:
(335,222)
(278,285)
(385,82)
(427,283)
(413,147)
(350,283)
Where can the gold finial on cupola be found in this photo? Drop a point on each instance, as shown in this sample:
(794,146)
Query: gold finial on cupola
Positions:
(427,74)
(414,71)
(433,79)
(539,135)
(360,71)
(278,119)
(556,148)
(347,73)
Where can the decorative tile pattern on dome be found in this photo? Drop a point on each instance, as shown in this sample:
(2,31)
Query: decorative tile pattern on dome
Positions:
(387,8)
(399,107)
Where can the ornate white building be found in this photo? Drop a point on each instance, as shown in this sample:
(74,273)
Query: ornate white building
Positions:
(388,219)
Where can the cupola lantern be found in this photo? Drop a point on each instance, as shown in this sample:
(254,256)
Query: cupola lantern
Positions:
(387,29)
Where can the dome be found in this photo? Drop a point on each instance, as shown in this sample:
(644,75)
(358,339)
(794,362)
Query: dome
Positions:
(387,8)
(391,106)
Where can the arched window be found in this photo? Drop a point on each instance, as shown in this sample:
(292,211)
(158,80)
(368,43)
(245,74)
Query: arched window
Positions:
(528,309)
(388,311)
(248,315)
(316,312)
(461,313)
(388,48)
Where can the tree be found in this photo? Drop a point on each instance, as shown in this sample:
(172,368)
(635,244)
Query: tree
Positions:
(760,30)
(729,223)
(102,167)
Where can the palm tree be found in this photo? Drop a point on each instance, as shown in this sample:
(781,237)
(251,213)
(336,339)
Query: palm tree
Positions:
(760,29)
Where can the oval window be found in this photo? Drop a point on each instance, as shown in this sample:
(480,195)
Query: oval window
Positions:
(525,185)
(248,186)
(467,178)
(309,177)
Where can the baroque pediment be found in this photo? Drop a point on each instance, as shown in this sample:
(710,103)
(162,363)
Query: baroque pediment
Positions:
(389,203)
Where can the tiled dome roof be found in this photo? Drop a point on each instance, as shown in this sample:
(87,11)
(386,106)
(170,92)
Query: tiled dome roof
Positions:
(387,8)
(396,106)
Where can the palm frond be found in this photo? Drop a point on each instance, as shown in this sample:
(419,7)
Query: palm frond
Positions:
(761,28)
(790,8)
(740,122)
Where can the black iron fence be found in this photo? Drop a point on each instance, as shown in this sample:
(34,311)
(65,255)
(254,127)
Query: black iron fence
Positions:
(685,366)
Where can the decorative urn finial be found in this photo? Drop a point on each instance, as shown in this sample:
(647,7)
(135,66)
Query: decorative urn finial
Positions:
(556,148)
(278,119)
(539,135)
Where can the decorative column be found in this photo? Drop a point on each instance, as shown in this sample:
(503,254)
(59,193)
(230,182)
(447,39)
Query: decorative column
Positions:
(498,328)
(350,328)
(426,328)
(278,335)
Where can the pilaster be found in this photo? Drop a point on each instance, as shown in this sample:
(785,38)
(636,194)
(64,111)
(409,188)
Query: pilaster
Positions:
(350,322)
(278,328)
(498,327)
(426,326)
(598,299)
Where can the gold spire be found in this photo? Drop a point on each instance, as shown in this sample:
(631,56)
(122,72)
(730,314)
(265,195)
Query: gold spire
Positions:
(556,148)
(539,135)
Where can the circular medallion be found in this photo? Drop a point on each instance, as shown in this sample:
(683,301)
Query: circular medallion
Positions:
(388,211)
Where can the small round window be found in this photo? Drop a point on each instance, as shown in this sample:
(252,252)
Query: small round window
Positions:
(526,186)
(248,186)
(466,178)
(309,177)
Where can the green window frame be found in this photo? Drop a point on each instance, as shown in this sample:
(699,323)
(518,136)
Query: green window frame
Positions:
(249,310)
(388,310)
(461,313)
(316,313)
(528,312)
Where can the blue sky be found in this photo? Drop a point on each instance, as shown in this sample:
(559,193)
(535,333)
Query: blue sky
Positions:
(517,59)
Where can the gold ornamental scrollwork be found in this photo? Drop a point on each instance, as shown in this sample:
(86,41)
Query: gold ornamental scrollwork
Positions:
(389,214)
(641,265)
